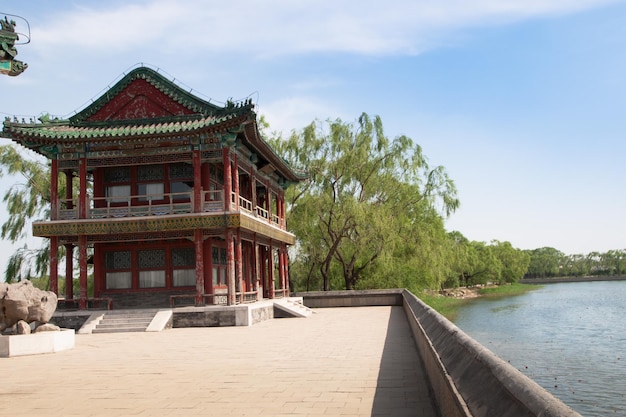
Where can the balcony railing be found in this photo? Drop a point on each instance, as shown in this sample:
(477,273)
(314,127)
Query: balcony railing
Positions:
(160,204)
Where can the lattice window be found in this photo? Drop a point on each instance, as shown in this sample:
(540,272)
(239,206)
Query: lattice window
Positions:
(117,175)
(217,174)
(183,257)
(181,171)
(150,173)
(219,275)
(151,259)
(118,260)
(219,256)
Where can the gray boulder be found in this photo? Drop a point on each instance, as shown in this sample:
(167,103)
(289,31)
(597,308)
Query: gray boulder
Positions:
(21,327)
(22,301)
(48,327)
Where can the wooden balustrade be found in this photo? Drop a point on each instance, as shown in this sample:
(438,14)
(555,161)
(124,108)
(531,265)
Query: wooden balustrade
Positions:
(159,204)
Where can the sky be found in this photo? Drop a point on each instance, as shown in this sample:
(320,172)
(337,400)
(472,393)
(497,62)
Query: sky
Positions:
(522,101)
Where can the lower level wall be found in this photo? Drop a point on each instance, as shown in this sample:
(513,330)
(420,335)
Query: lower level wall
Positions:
(209,316)
(360,298)
(70,319)
(487,385)
(241,315)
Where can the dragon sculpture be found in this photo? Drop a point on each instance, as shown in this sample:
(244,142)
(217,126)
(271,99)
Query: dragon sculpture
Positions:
(8,64)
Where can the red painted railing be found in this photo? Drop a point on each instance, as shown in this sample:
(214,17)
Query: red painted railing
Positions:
(160,204)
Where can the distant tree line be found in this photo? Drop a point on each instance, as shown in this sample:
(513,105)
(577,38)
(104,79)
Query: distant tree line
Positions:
(550,263)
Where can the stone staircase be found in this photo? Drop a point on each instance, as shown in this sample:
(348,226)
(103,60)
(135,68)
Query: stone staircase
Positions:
(118,321)
(288,307)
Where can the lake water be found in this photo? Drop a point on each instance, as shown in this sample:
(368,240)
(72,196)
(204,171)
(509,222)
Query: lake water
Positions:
(569,337)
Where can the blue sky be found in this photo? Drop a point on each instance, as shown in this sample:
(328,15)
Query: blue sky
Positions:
(522,101)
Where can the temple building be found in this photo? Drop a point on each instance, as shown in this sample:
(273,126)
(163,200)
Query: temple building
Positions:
(179,201)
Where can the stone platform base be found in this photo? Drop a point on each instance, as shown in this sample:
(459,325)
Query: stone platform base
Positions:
(36,343)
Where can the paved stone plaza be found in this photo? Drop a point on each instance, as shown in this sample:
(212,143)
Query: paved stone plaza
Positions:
(340,362)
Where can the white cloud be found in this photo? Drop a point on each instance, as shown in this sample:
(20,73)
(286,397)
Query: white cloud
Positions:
(279,27)
(297,112)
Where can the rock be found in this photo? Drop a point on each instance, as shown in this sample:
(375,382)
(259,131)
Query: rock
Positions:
(21,327)
(15,305)
(48,327)
(22,301)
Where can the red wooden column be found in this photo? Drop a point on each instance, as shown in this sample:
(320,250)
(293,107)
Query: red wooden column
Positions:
(69,189)
(280,270)
(199,267)
(82,239)
(263,271)
(197,181)
(228,182)
(206,182)
(54,190)
(283,212)
(255,270)
(239,262)
(270,270)
(253,192)
(69,271)
(69,248)
(268,203)
(279,209)
(82,279)
(230,267)
(208,271)
(54,264)
(283,269)
(236,179)
(286,264)
(82,176)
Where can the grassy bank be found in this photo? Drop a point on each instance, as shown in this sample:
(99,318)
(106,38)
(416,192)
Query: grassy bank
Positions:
(448,306)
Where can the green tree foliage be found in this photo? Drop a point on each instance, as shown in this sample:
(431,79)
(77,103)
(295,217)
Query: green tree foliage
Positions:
(550,263)
(513,262)
(371,210)
(614,262)
(545,262)
(26,200)
(473,263)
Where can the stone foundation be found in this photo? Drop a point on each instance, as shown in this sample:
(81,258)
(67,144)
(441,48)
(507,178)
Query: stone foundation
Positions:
(36,343)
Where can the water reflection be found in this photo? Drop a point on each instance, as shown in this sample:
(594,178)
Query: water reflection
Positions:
(569,337)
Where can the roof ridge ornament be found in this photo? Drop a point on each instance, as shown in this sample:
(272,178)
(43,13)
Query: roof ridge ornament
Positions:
(8,38)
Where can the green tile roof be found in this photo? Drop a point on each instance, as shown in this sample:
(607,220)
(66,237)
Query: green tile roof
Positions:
(65,131)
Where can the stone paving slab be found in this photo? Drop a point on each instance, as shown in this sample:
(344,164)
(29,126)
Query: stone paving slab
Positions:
(339,362)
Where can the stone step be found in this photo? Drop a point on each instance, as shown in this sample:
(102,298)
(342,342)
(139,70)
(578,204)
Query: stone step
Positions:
(119,330)
(125,321)
(122,321)
(124,316)
(290,308)
(107,325)
(150,320)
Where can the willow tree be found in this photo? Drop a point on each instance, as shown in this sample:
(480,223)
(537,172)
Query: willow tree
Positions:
(26,200)
(365,202)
